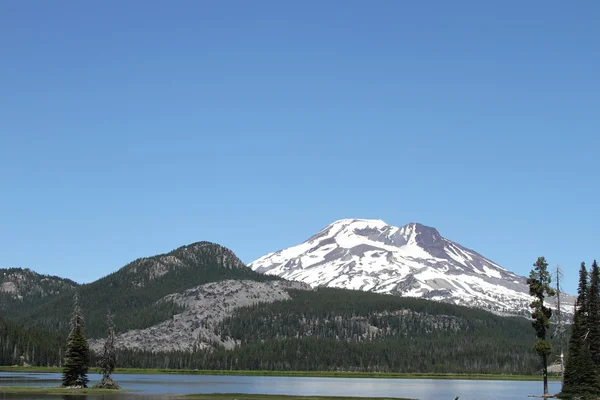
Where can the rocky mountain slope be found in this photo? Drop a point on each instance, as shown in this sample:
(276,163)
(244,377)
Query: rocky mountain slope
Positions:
(204,307)
(413,260)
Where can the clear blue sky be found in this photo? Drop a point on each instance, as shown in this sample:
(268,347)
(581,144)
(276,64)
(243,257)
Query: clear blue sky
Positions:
(130,128)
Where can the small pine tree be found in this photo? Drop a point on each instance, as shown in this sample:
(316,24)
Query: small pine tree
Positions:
(108,360)
(580,377)
(539,287)
(77,356)
(581,303)
(593,317)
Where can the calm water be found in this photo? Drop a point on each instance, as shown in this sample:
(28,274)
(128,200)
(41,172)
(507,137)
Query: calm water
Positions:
(163,385)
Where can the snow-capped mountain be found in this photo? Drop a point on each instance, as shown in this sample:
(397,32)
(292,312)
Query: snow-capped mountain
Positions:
(413,260)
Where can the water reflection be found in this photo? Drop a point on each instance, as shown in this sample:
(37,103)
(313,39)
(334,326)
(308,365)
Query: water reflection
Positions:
(163,386)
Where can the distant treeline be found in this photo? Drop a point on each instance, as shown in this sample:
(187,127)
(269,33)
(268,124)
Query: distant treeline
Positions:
(310,354)
(32,346)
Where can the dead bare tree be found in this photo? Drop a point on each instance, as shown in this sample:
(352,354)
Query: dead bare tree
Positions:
(560,332)
(108,360)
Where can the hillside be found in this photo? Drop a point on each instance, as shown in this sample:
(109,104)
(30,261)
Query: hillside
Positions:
(23,290)
(317,330)
(202,309)
(20,286)
(411,261)
(335,329)
(133,292)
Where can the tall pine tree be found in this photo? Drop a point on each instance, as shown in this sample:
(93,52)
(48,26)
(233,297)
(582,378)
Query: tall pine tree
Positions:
(539,287)
(581,303)
(580,377)
(593,318)
(77,356)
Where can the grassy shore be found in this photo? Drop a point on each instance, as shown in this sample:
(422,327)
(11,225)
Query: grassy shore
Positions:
(55,390)
(323,374)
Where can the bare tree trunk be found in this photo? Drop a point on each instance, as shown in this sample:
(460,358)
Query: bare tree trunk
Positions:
(545,361)
(560,328)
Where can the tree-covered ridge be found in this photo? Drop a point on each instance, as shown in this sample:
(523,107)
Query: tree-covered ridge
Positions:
(23,290)
(356,315)
(132,292)
(27,285)
(144,271)
(335,329)
(363,331)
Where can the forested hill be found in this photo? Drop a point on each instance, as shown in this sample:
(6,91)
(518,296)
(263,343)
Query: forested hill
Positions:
(331,330)
(367,331)
(18,285)
(132,292)
(335,329)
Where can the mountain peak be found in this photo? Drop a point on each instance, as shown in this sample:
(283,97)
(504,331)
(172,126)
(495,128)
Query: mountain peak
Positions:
(188,257)
(355,223)
(376,230)
(346,221)
(411,260)
(419,226)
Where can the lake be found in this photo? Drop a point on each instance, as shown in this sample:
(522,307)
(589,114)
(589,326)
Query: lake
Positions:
(169,384)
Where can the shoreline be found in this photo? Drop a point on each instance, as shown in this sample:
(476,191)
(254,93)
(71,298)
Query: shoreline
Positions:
(311,374)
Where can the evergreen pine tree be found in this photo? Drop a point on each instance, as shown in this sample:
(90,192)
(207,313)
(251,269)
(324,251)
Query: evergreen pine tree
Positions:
(581,303)
(580,377)
(78,354)
(539,287)
(593,317)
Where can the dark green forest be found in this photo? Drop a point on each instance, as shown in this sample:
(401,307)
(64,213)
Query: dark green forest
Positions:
(311,354)
(33,346)
(335,329)
(348,314)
